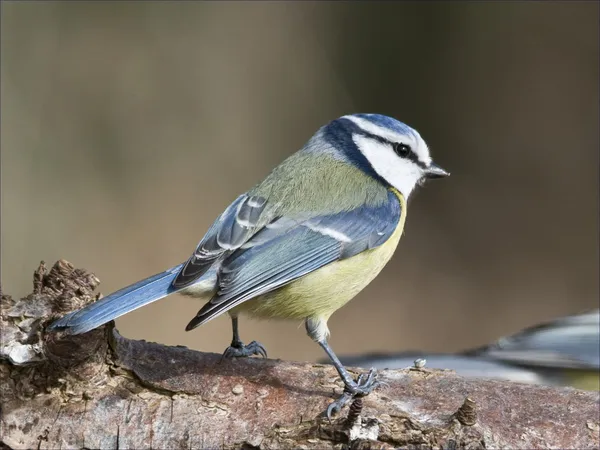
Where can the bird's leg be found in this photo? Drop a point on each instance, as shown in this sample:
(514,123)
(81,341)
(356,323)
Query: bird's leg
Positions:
(363,385)
(238,349)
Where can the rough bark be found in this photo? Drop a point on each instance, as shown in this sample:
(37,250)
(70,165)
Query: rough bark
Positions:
(101,390)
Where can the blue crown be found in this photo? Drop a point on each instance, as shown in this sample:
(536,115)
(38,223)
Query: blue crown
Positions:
(386,122)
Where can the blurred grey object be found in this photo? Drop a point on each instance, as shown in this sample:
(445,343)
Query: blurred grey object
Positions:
(562,352)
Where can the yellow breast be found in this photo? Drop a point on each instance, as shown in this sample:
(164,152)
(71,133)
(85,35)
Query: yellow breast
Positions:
(321,293)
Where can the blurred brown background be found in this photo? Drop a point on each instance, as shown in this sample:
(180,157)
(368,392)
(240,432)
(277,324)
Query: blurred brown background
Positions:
(128,127)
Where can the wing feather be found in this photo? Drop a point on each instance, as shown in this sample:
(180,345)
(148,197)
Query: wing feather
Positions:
(289,248)
(229,232)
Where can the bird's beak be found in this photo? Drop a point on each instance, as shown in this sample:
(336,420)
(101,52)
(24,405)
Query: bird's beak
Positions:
(435,171)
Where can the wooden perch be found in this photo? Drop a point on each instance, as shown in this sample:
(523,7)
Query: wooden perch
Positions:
(101,390)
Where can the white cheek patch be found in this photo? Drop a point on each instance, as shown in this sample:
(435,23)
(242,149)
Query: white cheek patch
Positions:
(401,173)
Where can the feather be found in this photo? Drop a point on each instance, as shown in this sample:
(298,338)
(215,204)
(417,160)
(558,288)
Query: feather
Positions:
(229,232)
(298,247)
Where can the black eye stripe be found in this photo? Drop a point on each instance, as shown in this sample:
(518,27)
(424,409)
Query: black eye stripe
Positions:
(412,156)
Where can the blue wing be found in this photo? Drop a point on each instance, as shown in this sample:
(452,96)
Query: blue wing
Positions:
(231,230)
(287,249)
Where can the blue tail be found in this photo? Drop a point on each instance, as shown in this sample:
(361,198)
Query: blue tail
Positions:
(118,303)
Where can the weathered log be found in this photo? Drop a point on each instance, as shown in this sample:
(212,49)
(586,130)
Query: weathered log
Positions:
(102,390)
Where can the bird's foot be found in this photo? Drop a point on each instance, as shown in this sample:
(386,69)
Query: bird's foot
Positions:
(364,385)
(239,350)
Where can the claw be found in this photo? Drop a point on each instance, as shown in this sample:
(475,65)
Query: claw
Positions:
(242,351)
(358,388)
(370,378)
(332,409)
(360,381)
(257,348)
(337,405)
(361,386)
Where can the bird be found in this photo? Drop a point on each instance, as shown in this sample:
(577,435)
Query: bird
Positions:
(298,245)
(564,351)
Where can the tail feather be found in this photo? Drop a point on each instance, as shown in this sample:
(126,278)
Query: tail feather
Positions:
(118,303)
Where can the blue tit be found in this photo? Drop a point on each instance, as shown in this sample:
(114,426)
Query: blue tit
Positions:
(561,352)
(300,244)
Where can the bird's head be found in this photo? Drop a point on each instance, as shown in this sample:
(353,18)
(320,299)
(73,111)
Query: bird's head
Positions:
(382,147)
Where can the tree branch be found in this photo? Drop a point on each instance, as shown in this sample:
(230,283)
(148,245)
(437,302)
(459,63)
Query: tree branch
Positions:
(101,390)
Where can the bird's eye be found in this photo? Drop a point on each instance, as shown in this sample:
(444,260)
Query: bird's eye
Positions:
(401,149)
